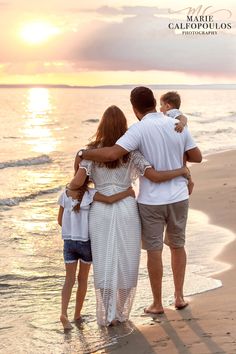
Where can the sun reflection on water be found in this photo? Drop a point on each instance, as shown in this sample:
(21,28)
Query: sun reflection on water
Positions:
(39,101)
(37,128)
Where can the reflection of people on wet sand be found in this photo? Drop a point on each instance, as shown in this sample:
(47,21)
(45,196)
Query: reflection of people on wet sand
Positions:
(164,205)
(115,230)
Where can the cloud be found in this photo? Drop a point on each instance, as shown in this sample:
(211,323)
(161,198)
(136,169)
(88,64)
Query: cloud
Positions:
(108,10)
(149,45)
(139,42)
(39,67)
(128,10)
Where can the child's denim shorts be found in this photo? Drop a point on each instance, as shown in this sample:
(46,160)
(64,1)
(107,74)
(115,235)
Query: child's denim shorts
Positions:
(77,250)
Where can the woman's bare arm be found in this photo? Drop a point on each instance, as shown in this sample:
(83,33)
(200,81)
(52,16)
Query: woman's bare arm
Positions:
(78,180)
(76,163)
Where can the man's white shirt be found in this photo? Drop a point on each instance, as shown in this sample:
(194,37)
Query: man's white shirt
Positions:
(155,137)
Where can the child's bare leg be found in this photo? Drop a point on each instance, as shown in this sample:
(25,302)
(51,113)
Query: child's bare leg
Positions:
(190,186)
(82,287)
(66,293)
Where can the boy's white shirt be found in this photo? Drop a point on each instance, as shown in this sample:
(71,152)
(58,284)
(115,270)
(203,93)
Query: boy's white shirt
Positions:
(174,113)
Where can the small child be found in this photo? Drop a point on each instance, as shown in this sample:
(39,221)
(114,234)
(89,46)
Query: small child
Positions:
(73,218)
(169,105)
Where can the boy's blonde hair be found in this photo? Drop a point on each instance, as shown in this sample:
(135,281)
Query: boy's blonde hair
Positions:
(172,98)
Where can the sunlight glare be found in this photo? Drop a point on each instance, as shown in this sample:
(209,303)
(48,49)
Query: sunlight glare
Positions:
(39,100)
(38,32)
(37,126)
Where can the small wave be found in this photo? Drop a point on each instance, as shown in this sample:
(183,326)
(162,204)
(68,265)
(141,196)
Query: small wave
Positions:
(228,118)
(11,137)
(231,116)
(194,114)
(38,160)
(211,120)
(92,120)
(3,328)
(13,277)
(10,202)
(228,130)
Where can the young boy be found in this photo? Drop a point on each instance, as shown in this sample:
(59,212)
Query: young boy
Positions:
(169,105)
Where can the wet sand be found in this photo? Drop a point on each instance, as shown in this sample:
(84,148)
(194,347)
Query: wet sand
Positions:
(208,325)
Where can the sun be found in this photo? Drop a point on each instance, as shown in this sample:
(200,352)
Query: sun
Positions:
(38,32)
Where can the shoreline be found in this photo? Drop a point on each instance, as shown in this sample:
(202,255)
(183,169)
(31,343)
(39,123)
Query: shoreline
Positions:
(208,325)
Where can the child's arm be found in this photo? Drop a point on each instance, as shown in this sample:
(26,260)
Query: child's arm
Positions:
(182,123)
(59,216)
(177,114)
(115,197)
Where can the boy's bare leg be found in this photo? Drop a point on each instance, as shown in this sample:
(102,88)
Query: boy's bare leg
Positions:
(66,293)
(155,270)
(82,288)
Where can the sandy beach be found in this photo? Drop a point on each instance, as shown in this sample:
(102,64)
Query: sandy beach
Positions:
(208,325)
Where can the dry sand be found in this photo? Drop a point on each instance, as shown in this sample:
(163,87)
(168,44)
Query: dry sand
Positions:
(208,325)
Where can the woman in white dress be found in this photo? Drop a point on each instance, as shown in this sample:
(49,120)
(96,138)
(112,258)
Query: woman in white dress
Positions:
(115,229)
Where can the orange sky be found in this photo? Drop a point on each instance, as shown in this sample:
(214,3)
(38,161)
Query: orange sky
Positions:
(96,44)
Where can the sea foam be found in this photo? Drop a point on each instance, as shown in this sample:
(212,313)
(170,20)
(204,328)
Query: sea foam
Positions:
(38,160)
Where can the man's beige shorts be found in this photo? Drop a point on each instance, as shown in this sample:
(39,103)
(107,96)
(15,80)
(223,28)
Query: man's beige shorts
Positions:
(169,217)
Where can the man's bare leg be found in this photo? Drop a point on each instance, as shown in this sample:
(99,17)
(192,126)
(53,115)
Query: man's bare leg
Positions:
(155,270)
(178,263)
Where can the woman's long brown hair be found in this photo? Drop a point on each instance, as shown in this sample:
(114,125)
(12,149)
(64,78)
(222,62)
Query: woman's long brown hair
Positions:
(112,126)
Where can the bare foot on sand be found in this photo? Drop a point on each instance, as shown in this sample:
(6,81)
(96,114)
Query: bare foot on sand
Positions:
(65,322)
(154,310)
(180,304)
(77,318)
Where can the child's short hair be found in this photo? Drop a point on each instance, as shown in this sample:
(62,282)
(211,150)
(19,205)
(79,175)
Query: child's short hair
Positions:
(173,98)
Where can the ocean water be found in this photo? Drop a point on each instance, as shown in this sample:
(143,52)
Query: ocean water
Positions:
(41,130)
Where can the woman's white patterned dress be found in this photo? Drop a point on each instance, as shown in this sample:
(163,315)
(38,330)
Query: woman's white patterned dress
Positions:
(115,233)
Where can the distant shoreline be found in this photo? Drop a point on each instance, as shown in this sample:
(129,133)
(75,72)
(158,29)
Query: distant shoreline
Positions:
(128,86)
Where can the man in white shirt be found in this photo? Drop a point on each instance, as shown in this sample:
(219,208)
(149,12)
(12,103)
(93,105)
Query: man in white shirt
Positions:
(162,206)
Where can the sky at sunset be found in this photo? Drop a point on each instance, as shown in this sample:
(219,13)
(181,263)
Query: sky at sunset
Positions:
(112,42)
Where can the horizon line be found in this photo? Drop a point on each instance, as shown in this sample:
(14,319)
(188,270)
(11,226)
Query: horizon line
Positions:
(41,85)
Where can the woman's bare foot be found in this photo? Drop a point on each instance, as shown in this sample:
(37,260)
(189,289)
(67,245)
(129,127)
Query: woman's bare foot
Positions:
(65,322)
(154,310)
